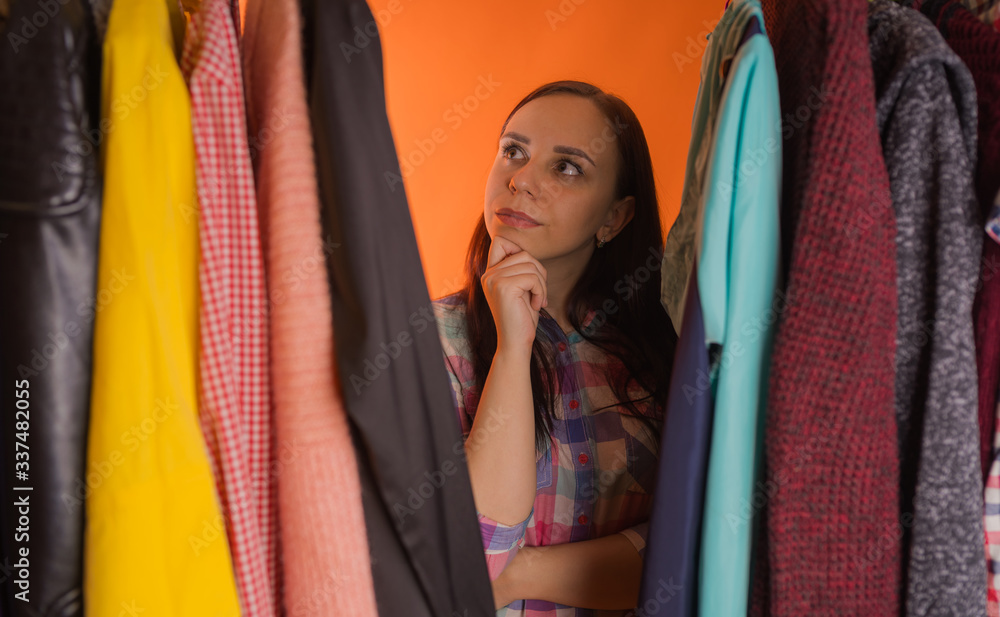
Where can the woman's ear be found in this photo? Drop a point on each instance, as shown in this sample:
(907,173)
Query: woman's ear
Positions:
(621,213)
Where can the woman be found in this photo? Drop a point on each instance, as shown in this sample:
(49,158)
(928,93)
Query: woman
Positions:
(559,353)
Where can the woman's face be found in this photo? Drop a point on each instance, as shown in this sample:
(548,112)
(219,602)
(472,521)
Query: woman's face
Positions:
(556,163)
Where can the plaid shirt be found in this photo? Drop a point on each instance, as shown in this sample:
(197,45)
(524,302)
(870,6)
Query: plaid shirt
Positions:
(986,10)
(235,386)
(991,524)
(596,476)
(993,222)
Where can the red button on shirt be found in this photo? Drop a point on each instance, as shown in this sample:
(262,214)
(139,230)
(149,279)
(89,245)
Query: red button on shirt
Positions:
(574,404)
(562,346)
(583,519)
(583,458)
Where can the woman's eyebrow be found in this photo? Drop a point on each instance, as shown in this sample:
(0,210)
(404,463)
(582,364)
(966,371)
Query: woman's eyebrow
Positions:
(560,149)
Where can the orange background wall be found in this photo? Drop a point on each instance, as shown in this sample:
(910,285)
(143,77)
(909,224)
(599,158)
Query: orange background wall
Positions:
(436,52)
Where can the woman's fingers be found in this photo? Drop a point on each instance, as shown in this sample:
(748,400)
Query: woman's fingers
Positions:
(538,288)
(500,248)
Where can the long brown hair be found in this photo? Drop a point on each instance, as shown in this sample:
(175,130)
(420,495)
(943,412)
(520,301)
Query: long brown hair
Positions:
(638,331)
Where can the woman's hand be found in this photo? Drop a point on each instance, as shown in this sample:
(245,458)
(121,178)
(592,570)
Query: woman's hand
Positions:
(510,585)
(502,594)
(515,287)
(602,574)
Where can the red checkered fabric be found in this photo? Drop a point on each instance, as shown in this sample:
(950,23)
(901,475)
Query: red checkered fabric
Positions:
(234,388)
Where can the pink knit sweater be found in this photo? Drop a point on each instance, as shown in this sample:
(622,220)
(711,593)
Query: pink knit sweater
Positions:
(327,568)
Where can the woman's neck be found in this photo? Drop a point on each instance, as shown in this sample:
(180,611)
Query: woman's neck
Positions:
(561,275)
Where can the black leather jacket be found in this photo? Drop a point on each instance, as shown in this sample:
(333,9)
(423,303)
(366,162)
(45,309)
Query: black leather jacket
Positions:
(50,197)
(430,561)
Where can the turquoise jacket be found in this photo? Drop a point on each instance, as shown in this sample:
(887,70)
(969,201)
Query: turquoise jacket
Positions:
(738,261)
(730,219)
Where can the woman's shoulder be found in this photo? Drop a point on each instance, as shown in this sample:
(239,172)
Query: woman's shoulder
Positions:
(453,300)
(449,313)
(450,307)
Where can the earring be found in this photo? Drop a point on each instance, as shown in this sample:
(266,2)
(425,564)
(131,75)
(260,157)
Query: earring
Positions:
(602,242)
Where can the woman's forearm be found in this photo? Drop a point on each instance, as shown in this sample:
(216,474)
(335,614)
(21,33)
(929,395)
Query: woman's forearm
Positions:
(500,448)
(603,573)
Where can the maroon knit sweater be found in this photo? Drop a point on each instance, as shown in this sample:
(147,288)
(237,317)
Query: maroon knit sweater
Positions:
(978,45)
(830,535)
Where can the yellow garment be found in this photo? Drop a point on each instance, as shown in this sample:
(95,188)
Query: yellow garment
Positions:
(155,541)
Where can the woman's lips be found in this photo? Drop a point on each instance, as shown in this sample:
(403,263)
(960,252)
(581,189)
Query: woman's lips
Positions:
(509,217)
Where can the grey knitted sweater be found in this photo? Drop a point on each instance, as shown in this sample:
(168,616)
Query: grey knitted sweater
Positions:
(926,108)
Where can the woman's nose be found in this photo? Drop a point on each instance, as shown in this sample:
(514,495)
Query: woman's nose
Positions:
(528,180)
(521,182)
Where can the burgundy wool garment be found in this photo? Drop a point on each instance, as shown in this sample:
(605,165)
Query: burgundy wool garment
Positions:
(830,536)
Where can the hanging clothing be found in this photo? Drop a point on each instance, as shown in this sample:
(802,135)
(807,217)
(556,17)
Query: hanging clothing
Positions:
(155,534)
(50,202)
(679,246)
(986,312)
(101,10)
(234,14)
(234,401)
(738,253)
(830,430)
(926,113)
(736,164)
(978,46)
(596,475)
(425,561)
(675,522)
(324,541)
(986,10)
(993,221)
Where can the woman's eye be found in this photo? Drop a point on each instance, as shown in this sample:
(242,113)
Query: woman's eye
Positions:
(507,150)
(561,166)
(570,165)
